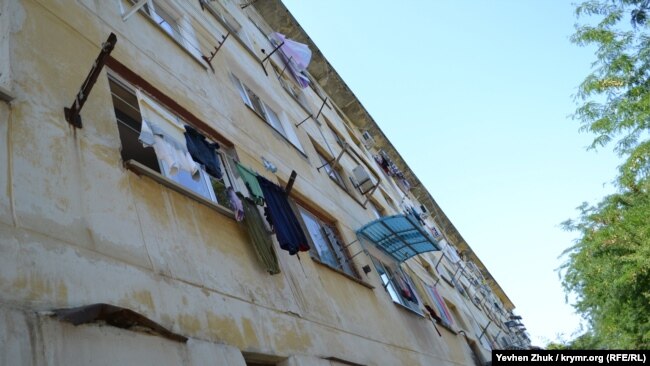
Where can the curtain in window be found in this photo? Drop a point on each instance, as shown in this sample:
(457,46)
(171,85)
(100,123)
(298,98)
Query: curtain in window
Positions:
(439,303)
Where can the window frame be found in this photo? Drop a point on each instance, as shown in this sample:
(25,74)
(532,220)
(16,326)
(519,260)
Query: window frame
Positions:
(181,31)
(333,173)
(207,180)
(341,256)
(387,278)
(266,113)
(229,22)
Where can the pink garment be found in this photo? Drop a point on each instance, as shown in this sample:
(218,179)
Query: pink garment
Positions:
(297,55)
(236,204)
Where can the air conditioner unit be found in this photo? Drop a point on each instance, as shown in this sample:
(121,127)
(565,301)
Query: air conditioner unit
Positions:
(368,140)
(363,180)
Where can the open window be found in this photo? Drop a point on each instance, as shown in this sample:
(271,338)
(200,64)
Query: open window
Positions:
(327,246)
(133,110)
(333,173)
(440,306)
(168,18)
(223,16)
(290,87)
(277,122)
(398,284)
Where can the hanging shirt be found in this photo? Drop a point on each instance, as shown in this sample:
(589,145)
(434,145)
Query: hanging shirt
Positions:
(168,150)
(250,178)
(287,229)
(203,151)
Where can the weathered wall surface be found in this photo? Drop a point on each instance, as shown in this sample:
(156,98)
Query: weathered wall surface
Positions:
(77,228)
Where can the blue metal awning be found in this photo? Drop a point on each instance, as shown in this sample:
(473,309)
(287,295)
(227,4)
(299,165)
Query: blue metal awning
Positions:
(399,236)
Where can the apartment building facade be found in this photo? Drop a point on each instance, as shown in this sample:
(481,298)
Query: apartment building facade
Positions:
(191,183)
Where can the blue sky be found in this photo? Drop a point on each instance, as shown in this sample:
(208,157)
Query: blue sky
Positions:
(477,98)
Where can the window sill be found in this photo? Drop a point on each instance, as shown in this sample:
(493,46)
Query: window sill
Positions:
(140,169)
(448,281)
(357,280)
(276,131)
(418,313)
(182,46)
(447,327)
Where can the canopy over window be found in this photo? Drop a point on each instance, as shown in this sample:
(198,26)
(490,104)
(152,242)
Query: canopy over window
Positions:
(399,236)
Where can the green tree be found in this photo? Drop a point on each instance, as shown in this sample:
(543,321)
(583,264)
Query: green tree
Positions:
(609,266)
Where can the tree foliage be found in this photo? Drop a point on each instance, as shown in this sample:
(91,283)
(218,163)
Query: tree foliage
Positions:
(608,268)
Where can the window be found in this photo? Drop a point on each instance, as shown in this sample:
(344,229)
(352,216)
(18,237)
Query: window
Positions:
(164,19)
(266,113)
(338,137)
(170,20)
(327,247)
(227,20)
(334,174)
(289,86)
(398,284)
(131,107)
(440,305)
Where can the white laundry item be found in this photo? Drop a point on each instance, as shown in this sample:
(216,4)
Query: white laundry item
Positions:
(166,153)
(170,151)
(157,120)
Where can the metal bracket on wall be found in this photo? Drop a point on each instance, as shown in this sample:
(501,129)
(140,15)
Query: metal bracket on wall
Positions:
(268,56)
(216,49)
(292,180)
(348,149)
(311,115)
(72,113)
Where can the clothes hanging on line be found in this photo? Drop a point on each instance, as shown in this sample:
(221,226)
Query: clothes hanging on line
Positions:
(235,204)
(172,152)
(286,225)
(203,151)
(250,179)
(260,237)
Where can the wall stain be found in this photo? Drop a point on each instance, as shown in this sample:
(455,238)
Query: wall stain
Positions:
(290,337)
(225,329)
(144,298)
(250,335)
(189,324)
(39,287)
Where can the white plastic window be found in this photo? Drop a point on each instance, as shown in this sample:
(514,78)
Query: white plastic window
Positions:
(325,253)
(279,123)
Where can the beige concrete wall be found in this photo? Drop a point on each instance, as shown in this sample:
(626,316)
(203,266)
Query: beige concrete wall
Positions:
(77,228)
